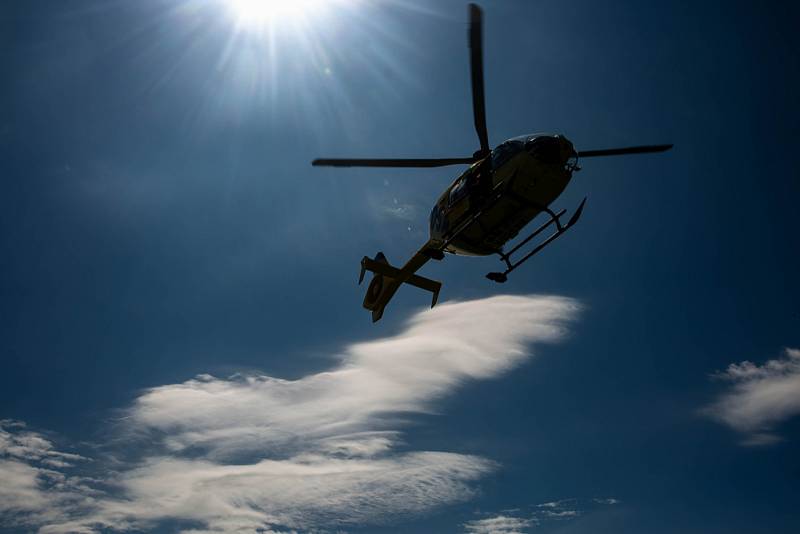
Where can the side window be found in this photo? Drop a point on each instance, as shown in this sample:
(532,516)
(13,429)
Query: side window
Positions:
(438,219)
(436,216)
(459,190)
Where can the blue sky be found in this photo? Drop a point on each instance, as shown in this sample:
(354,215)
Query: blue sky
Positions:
(183,345)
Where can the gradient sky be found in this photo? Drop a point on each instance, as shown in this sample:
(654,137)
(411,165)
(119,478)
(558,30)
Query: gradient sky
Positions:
(183,345)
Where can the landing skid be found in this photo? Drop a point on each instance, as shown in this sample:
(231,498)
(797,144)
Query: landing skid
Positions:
(555,218)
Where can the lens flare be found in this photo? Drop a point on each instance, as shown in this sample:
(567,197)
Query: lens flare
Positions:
(255,13)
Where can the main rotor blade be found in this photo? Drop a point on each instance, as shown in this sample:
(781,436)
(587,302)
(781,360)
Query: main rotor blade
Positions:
(622,151)
(476,69)
(440,162)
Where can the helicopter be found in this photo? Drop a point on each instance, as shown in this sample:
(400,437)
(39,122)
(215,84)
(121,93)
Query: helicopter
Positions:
(484,208)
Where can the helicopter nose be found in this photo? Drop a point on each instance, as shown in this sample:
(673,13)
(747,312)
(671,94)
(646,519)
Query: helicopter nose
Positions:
(567,148)
(550,149)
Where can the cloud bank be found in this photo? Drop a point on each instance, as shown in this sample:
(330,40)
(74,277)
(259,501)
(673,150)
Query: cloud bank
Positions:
(760,397)
(258,452)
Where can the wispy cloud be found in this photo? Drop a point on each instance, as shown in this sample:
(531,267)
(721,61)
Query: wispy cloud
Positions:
(258,452)
(609,500)
(501,524)
(518,522)
(17,442)
(34,486)
(563,509)
(759,398)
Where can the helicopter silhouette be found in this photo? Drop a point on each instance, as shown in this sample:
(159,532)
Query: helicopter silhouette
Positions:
(488,204)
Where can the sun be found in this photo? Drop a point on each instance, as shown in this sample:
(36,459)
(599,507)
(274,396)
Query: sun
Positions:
(254,13)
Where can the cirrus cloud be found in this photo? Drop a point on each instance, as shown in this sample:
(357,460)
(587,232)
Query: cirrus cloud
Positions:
(500,524)
(257,452)
(518,521)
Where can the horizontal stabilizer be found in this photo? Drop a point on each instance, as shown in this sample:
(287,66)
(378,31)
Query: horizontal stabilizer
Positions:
(384,269)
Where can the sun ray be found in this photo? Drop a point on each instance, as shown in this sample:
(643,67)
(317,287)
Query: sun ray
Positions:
(257,13)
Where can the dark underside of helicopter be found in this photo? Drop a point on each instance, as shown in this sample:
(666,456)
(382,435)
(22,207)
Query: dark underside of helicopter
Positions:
(525,174)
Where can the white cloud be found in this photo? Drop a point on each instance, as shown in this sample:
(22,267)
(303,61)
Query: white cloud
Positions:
(562,509)
(300,492)
(516,521)
(33,487)
(258,452)
(500,524)
(17,442)
(760,397)
(439,349)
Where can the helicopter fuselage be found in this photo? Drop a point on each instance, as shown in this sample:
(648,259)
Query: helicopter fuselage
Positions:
(486,206)
(502,192)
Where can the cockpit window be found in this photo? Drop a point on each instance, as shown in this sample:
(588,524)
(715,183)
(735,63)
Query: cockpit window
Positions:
(545,148)
(506,151)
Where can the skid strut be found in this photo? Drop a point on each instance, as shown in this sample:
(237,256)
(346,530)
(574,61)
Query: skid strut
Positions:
(555,218)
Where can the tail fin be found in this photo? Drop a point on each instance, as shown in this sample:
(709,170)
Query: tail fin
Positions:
(385,282)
